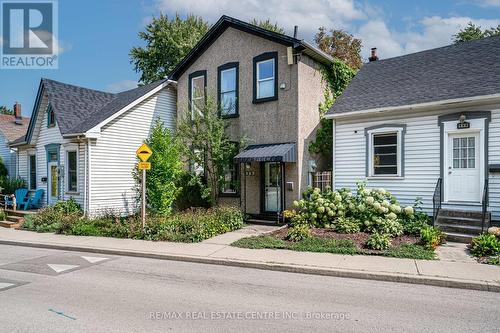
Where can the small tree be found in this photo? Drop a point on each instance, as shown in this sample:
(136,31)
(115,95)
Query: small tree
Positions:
(166,169)
(5,110)
(473,32)
(340,45)
(206,144)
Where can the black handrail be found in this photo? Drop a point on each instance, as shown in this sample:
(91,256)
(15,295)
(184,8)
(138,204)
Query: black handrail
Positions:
(436,200)
(485,203)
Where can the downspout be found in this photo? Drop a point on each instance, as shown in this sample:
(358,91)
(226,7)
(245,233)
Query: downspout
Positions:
(333,155)
(89,143)
(85,179)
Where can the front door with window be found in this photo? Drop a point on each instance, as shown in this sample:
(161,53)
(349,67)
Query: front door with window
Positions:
(53,182)
(272,187)
(463,172)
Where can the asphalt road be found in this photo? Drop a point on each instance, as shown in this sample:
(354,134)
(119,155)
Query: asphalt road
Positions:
(56,291)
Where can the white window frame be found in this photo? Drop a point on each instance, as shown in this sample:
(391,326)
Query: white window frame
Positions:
(30,155)
(259,80)
(192,98)
(399,157)
(233,110)
(71,150)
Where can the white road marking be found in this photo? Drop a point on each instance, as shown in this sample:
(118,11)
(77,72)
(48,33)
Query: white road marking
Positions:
(5,285)
(93,260)
(61,268)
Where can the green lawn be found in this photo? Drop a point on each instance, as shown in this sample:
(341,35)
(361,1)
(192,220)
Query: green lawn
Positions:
(316,244)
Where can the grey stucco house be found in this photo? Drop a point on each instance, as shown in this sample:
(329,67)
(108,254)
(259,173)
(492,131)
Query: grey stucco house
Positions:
(269,87)
(426,125)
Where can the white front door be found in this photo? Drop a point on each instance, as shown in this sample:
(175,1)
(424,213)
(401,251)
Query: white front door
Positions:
(463,173)
(53,183)
(272,187)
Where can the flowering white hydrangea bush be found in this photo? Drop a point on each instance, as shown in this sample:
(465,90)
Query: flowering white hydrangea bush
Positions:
(374,210)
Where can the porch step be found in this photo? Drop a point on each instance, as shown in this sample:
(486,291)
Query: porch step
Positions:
(458,238)
(463,229)
(461,213)
(9,224)
(262,222)
(21,213)
(461,225)
(455,220)
(15,219)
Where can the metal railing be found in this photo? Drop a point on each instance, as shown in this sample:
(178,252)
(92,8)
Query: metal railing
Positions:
(437,199)
(485,204)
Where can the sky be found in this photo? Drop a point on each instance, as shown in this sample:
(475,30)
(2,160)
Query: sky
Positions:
(95,36)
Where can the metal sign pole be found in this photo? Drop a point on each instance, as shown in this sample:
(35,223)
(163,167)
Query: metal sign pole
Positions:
(143,203)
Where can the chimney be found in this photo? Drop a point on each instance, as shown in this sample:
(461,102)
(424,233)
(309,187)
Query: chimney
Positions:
(17,111)
(374,56)
(295,31)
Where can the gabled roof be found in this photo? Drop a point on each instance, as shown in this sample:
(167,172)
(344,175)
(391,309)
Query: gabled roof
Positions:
(13,128)
(463,70)
(78,109)
(225,22)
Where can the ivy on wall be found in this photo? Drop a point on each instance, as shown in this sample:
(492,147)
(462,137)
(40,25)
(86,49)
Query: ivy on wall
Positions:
(337,76)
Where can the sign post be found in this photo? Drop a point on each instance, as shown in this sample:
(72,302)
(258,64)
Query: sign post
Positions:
(144,153)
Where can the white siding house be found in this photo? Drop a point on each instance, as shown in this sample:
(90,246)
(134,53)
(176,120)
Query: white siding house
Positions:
(426,125)
(90,158)
(11,128)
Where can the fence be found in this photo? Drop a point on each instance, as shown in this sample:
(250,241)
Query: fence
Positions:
(322,179)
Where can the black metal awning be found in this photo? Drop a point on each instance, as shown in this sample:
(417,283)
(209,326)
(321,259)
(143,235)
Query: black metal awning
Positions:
(278,152)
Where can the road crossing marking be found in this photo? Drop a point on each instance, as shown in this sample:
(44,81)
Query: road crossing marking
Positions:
(61,268)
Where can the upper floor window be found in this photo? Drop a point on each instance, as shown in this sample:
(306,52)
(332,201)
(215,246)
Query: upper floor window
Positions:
(197,87)
(265,77)
(228,89)
(385,153)
(51,118)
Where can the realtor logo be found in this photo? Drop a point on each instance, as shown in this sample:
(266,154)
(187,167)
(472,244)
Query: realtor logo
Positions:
(29,35)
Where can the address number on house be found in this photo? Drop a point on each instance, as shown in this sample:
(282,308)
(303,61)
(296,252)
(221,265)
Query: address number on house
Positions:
(144,166)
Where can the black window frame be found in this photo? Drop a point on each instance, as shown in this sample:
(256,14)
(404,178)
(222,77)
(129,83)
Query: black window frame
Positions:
(32,171)
(381,165)
(263,57)
(69,171)
(190,87)
(220,69)
(51,117)
(236,173)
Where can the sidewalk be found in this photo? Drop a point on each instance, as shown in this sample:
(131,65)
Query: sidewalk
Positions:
(455,270)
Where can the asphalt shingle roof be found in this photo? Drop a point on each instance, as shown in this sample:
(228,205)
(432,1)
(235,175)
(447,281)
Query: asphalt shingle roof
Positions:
(456,71)
(12,130)
(79,109)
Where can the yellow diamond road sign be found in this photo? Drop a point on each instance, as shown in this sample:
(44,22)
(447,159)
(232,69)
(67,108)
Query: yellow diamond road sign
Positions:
(144,152)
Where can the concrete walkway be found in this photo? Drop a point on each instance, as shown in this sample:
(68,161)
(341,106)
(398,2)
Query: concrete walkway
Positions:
(449,272)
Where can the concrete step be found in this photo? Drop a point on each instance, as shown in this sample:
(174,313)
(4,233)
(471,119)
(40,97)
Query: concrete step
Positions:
(15,219)
(459,220)
(9,224)
(21,213)
(458,237)
(473,230)
(461,213)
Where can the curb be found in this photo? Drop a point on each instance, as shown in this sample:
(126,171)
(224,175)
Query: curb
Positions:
(342,273)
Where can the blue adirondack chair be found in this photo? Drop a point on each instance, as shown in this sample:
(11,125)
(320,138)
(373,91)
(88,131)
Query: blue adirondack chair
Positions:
(35,201)
(21,195)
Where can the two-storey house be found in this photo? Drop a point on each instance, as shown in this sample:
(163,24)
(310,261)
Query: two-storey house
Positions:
(269,87)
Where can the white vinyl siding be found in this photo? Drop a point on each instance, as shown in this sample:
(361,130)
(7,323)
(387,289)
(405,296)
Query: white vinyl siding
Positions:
(113,155)
(421,156)
(8,157)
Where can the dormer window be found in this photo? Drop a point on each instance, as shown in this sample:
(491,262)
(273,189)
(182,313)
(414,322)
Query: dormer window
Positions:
(51,118)
(265,77)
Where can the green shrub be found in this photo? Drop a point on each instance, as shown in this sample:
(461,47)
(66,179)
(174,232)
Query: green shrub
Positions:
(298,233)
(378,241)
(3,216)
(191,193)
(68,207)
(3,169)
(260,242)
(10,185)
(411,251)
(347,225)
(49,220)
(316,244)
(485,245)
(431,237)
(495,260)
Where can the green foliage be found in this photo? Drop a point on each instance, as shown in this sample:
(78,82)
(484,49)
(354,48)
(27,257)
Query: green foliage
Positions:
(340,45)
(3,216)
(374,210)
(260,242)
(337,76)
(10,185)
(485,245)
(6,110)
(68,207)
(162,181)
(205,142)
(410,251)
(49,220)
(378,241)
(414,223)
(473,32)
(431,237)
(298,233)
(3,169)
(191,193)
(268,25)
(347,225)
(316,244)
(168,41)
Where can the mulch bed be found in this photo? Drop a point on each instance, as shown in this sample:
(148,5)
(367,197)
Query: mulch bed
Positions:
(358,238)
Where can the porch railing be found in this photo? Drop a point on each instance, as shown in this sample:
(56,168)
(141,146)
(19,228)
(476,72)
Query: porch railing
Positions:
(437,200)
(484,204)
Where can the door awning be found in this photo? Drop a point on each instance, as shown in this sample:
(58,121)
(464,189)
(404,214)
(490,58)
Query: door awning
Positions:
(278,152)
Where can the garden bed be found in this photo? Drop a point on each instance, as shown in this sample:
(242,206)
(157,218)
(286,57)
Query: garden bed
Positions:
(329,241)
